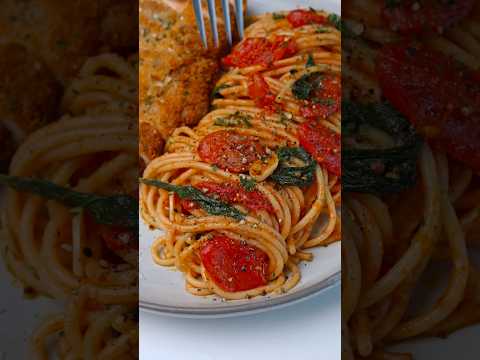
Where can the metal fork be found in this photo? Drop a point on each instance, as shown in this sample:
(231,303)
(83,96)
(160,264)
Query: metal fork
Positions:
(197,4)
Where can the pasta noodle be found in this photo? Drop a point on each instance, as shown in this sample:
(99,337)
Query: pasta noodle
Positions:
(61,252)
(390,241)
(295,218)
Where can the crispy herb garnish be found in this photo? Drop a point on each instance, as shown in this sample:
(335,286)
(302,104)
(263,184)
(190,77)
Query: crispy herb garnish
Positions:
(247,183)
(303,87)
(210,205)
(287,175)
(216,90)
(277,16)
(115,210)
(335,20)
(237,119)
(322,30)
(310,61)
(387,170)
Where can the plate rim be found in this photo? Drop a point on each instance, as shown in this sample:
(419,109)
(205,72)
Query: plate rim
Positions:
(244,308)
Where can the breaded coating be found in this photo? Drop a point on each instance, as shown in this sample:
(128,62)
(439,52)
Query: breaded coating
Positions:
(176,72)
(65,33)
(151,144)
(29,93)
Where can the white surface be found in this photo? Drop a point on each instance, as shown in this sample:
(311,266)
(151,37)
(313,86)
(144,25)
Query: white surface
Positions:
(307,331)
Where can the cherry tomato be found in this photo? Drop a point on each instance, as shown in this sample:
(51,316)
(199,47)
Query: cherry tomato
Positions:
(259,91)
(323,144)
(230,150)
(414,16)
(233,265)
(439,96)
(260,51)
(300,17)
(233,193)
(325,99)
(118,238)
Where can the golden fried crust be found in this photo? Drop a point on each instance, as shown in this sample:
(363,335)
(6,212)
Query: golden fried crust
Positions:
(151,143)
(65,33)
(177,73)
(29,93)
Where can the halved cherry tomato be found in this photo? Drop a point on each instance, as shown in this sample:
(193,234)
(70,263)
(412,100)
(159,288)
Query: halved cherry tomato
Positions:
(233,193)
(260,51)
(438,95)
(233,265)
(414,16)
(230,150)
(259,91)
(300,17)
(117,238)
(323,144)
(325,99)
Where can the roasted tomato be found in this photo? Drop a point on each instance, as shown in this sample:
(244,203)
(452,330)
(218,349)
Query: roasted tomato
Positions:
(118,238)
(325,97)
(300,17)
(259,91)
(439,96)
(233,265)
(323,144)
(232,193)
(230,150)
(414,16)
(260,51)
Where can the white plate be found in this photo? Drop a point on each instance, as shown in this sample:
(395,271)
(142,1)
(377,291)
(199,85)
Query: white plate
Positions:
(162,290)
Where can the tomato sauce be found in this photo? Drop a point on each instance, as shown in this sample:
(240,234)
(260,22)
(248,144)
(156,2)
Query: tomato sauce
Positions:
(300,17)
(259,91)
(323,144)
(232,193)
(439,96)
(325,99)
(413,16)
(260,51)
(234,265)
(230,150)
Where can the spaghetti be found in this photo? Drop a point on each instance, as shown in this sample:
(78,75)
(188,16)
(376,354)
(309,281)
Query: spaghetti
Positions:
(239,186)
(63,253)
(391,241)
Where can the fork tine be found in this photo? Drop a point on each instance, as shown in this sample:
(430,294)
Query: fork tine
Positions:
(228,21)
(213,21)
(197,5)
(239,17)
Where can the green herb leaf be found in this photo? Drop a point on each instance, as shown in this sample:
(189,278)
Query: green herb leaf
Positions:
(287,175)
(335,20)
(216,90)
(247,183)
(277,16)
(237,119)
(115,210)
(378,170)
(302,88)
(322,30)
(210,205)
(310,61)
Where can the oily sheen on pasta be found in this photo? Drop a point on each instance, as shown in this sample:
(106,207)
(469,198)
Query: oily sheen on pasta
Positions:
(238,197)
